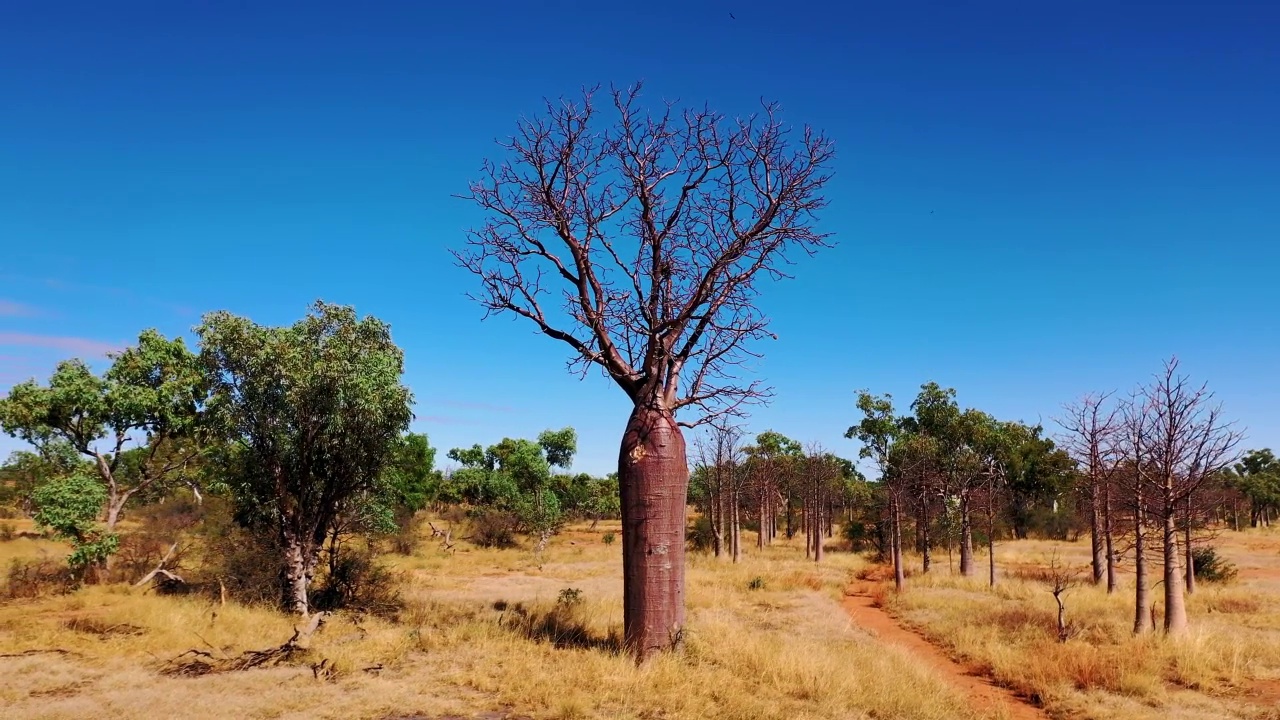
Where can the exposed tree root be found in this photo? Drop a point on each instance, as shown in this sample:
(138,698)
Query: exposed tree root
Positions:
(194,662)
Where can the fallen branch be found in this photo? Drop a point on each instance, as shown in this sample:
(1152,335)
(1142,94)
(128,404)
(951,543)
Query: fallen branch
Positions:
(160,569)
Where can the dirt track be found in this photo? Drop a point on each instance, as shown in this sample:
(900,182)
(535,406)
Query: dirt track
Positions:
(986,696)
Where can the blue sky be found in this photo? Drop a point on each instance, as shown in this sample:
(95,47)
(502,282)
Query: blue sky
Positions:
(1032,200)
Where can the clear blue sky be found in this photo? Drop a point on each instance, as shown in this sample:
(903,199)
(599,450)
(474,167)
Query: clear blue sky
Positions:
(1032,200)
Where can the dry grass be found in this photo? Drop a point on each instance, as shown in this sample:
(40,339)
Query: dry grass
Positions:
(482,632)
(1104,671)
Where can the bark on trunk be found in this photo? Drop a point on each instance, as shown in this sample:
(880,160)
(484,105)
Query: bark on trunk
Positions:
(654,481)
(899,578)
(1188,564)
(966,537)
(1095,536)
(1175,607)
(296,580)
(1141,598)
(1109,536)
(926,551)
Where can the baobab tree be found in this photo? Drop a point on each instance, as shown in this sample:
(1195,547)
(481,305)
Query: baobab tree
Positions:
(638,241)
(1188,441)
(1091,436)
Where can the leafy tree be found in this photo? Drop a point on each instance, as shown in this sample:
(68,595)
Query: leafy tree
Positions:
(515,476)
(655,228)
(70,507)
(1257,477)
(879,431)
(150,395)
(25,470)
(315,412)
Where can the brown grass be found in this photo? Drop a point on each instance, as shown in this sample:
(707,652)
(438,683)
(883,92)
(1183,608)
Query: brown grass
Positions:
(1103,670)
(462,647)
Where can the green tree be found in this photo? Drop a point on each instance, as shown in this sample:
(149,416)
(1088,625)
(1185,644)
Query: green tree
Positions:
(150,395)
(23,471)
(315,412)
(879,431)
(1257,477)
(515,476)
(70,507)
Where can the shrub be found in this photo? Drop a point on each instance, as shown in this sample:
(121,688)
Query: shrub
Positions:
(493,529)
(757,583)
(405,539)
(700,536)
(608,538)
(569,597)
(355,580)
(7,531)
(70,507)
(34,578)
(1208,567)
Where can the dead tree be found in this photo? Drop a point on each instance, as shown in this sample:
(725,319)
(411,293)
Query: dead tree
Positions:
(637,242)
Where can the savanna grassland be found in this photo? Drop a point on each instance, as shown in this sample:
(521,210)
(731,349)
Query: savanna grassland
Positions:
(510,634)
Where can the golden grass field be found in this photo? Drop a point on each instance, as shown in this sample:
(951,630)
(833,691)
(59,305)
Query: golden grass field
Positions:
(787,650)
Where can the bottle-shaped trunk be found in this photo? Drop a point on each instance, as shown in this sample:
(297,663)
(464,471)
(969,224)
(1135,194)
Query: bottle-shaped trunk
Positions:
(1141,597)
(654,482)
(1175,603)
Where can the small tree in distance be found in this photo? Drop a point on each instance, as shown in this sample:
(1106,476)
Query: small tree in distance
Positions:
(637,241)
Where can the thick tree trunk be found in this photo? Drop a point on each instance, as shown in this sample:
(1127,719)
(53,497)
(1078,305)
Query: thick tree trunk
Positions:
(966,537)
(654,481)
(1175,603)
(295,575)
(1141,598)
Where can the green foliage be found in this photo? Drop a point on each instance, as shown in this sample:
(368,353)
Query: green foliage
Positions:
(1257,477)
(70,506)
(608,538)
(514,476)
(1210,567)
(569,598)
(151,391)
(700,537)
(315,412)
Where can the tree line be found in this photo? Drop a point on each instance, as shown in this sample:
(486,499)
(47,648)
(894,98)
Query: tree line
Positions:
(302,429)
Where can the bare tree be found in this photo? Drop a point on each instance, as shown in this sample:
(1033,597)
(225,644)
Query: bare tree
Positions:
(638,242)
(1091,438)
(1062,577)
(719,455)
(1188,442)
(1135,422)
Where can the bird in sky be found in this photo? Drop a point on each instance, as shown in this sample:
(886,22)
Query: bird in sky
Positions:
(732,17)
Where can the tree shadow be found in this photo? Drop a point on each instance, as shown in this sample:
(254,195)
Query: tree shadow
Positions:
(558,626)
